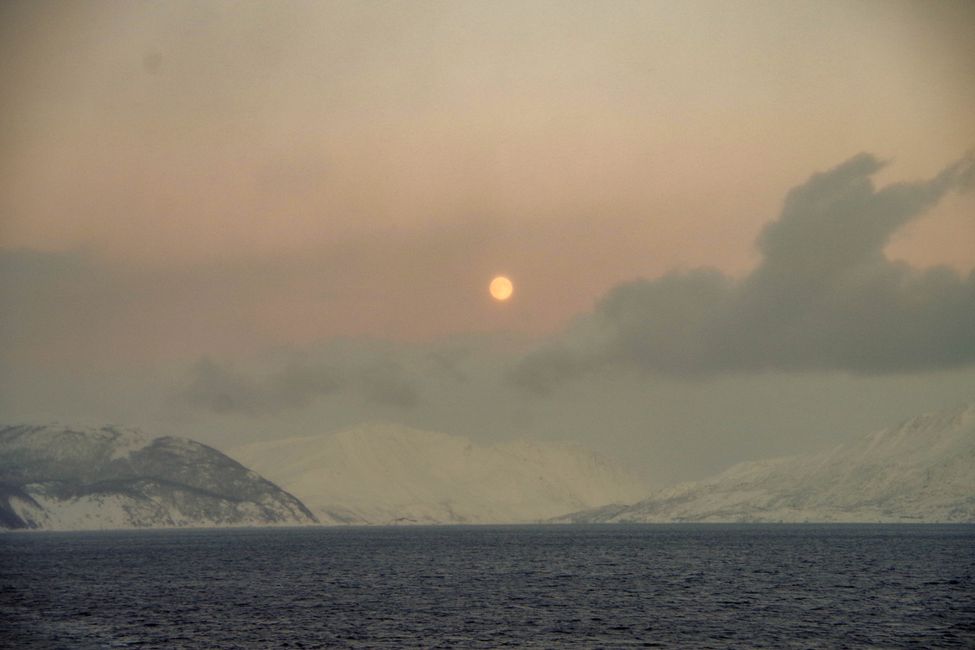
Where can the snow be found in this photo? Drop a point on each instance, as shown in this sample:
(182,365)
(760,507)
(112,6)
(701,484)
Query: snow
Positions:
(118,511)
(84,478)
(78,441)
(382,473)
(921,471)
(95,512)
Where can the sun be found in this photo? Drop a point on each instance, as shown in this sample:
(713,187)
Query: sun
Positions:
(501,288)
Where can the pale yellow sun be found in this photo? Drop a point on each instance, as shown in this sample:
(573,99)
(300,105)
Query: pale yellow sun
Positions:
(501,288)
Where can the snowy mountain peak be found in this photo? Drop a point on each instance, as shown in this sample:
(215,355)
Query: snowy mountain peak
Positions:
(53,476)
(90,442)
(920,437)
(920,470)
(381,430)
(383,473)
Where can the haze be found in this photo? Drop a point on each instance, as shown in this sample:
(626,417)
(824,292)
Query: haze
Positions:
(735,229)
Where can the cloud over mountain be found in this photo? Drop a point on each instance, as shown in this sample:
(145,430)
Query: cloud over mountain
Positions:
(221,388)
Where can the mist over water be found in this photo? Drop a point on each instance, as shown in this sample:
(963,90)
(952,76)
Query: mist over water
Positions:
(676,586)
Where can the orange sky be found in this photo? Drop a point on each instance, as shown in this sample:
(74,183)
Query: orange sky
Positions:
(324,169)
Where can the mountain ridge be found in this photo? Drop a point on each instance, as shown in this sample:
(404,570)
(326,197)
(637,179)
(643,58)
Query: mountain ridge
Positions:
(60,477)
(382,473)
(921,470)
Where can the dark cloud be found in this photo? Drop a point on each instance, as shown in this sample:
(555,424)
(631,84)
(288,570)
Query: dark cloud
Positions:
(824,296)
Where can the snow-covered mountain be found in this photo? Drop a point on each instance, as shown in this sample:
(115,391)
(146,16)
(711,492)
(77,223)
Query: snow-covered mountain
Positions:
(381,474)
(66,478)
(920,471)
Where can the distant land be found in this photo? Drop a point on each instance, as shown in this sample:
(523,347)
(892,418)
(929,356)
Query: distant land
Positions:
(74,478)
(59,477)
(920,471)
(381,473)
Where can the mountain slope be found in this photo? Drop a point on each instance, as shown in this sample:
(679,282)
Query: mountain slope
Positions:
(922,470)
(81,478)
(382,473)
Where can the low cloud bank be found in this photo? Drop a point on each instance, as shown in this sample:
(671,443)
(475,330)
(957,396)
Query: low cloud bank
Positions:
(222,389)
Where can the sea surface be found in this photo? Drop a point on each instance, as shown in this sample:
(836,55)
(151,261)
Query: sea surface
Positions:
(610,586)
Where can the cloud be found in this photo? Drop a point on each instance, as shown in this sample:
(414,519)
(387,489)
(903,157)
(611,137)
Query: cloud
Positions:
(824,296)
(387,384)
(221,388)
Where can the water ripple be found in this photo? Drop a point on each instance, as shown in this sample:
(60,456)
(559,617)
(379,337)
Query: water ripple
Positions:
(491,587)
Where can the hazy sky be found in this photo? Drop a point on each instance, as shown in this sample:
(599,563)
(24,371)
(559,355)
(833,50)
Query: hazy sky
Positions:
(735,228)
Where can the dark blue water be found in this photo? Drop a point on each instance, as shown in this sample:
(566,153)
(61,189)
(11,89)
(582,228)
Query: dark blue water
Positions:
(486,587)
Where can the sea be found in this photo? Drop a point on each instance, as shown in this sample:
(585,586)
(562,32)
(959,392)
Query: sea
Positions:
(601,586)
